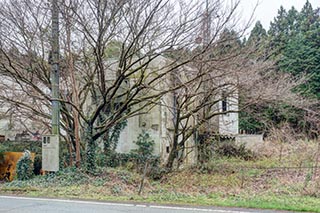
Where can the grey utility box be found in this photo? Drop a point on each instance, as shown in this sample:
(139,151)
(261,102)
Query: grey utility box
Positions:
(50,153)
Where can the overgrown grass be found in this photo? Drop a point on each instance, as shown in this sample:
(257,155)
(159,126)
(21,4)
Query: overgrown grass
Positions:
(220,182)
(289,203)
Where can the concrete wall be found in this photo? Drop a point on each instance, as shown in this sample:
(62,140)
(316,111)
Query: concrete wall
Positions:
(4,126)
(149,122)
(159,124)
(252,142)
(158,121)
(128,135)
(229,123)
(8,133)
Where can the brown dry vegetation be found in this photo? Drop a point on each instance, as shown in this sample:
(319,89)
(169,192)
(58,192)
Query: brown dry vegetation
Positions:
(290,183)
(293,173)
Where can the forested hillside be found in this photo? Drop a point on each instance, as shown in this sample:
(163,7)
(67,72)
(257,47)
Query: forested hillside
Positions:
(293,43)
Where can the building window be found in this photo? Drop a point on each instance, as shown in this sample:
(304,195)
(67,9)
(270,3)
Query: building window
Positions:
(224,102)
(167,149)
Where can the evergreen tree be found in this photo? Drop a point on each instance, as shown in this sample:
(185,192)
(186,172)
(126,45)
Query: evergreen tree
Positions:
(293,42)
(307,18)
(301,54)
(258,34)
(257,40)
(278,33)
(229,42)
(292,20)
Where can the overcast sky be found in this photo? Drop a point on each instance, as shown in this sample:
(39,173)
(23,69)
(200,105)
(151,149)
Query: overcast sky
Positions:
(267,9)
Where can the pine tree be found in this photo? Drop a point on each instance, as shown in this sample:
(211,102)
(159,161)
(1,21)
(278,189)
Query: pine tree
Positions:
(258,40)
(301,54)
(292,19)
(307,18)
(258,34)
(293,42)
(278,33)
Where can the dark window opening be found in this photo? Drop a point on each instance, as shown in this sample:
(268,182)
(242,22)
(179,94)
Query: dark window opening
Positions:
(46,140)
(224,102)
(168,149)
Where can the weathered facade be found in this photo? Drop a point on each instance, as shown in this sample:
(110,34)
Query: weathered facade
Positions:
(158,119)
(159,123)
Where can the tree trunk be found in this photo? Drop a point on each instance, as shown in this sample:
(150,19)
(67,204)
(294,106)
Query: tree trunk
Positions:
(172,156)
(91,150)
(174,151)
(75,97)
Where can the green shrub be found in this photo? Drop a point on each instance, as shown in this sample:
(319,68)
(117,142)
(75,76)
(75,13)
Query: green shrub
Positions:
(116,190)
(136,159)
(37,164)
(2,151)
(156,172)
(24,168)
(65,177)
(1,156)
(230,149)
(145,147)
(144,154)
(113,159)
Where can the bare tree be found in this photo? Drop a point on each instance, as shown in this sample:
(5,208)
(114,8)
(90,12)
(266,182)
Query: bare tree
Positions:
(228,72)
(105,65)
(115,56)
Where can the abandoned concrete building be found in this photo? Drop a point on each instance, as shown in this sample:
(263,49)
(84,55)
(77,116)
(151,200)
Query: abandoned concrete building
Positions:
(159,121)
(159,124)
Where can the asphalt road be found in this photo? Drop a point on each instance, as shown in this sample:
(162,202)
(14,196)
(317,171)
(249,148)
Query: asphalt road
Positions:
(12,204)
